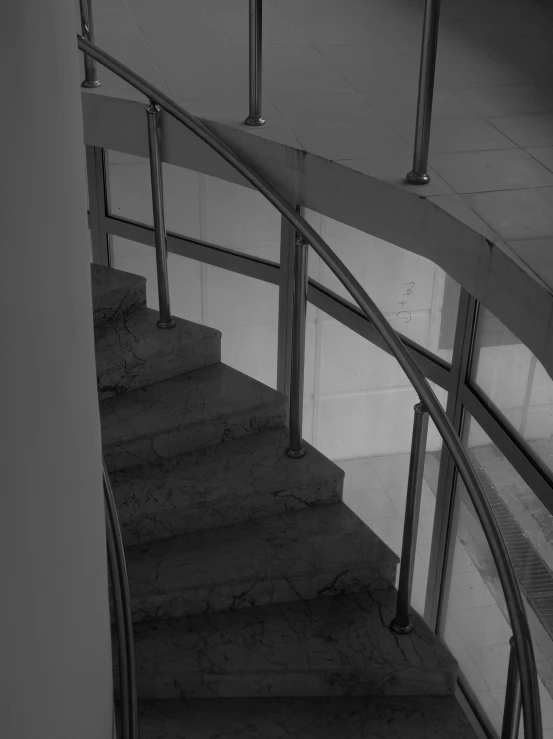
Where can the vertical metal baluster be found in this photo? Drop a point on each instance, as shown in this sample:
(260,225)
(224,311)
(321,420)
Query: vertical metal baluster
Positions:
(123,615)
(154,141)
(87,30)
(256,52)
(419,174)
(402,622)
(296,450)
(513,698)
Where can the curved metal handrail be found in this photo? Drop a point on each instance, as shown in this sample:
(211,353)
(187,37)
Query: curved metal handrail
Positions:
(513,596)
(123,614)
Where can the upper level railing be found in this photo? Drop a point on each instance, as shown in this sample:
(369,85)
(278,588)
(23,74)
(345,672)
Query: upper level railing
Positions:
(522,689)
(418,175)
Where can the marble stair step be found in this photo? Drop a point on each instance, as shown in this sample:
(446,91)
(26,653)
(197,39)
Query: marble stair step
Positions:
(336,646)
(420,717)
(186,412)
(240,480)
(131,351)
(115,294)
(303,554)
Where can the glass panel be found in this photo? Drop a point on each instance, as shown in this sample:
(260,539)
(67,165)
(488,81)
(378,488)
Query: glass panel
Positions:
(477,628)
(243,308)
(358,411)
(415,295)
(516,383)
(196,205)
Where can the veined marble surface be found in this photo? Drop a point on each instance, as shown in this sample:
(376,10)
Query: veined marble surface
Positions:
(419,717)
(131,351)
(183,413)
(115,294)
(298,555)
(334,646)
(240,480)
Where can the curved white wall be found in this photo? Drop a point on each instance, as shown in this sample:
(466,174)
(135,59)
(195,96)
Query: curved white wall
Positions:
(55,661)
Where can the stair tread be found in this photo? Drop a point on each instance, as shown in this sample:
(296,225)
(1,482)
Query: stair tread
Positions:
(105,280)
(132,351)
(220,485)
(376,717)
(185,404)
(300,554)
(340,645)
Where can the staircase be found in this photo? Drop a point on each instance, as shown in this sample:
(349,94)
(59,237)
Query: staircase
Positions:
(261,602)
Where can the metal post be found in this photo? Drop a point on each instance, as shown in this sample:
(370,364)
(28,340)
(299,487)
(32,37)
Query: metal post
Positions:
(154,141)
(513,698)
(87,30)
(419,175)
(256,50)
(296,450)
(402,622)
(123,615)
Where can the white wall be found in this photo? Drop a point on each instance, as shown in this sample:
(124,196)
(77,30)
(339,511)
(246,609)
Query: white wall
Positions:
(55,656)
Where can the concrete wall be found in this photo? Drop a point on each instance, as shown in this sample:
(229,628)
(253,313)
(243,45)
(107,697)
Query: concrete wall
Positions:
(55,645)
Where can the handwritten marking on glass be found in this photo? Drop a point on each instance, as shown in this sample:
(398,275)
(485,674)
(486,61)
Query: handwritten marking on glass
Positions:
(405,315)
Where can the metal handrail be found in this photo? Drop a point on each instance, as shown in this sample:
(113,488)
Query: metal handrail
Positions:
(513,596)
(123,614)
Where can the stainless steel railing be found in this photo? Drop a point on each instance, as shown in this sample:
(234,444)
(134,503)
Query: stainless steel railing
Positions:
(123,615)
(513,597)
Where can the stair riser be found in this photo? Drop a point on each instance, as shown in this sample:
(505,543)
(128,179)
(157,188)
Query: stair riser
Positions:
(118,304)
(194,436)
(409,682)
(244,593)
(122,372)
(140,525)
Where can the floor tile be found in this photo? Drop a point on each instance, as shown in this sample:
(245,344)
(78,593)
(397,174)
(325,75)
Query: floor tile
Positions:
(286,57)
(468,590)
(360,475)
(461,560)
(493,663)
(188,7)
(482,627)
(399,74)
(455,75)
(393,169)
(296,81)
(507,99)
(401,105)
(469,669)
(490,708)
(544,155)
(505,169)
(527,130)
(380,53)
(452,637)
(516,214)
(390,530)
(369,504)
(277,29)
(398,496)
(392,470)
(459,135)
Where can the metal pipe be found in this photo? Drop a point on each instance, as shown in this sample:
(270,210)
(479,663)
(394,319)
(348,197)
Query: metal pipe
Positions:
(123,615)
(402,622)
(256,53)
(154,142)
(507,577)
(419,174)
(513,701)
(87,29)
(296,449)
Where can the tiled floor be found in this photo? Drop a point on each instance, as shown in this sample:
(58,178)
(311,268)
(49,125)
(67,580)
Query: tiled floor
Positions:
(340,80)
(476,630)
